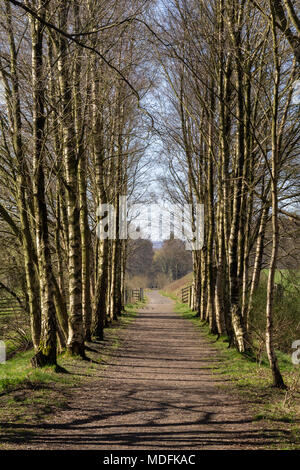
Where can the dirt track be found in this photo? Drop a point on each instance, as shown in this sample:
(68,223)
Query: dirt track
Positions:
(157,393)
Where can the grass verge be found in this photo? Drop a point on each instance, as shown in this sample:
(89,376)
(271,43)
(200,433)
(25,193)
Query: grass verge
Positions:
(252,380)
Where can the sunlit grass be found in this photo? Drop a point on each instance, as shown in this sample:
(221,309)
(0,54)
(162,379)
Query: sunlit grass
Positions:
(17,371)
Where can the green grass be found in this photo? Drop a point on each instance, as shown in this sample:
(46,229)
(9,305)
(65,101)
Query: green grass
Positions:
(167,294)
(288,278)
(18,371)
(132,308)
(286,319)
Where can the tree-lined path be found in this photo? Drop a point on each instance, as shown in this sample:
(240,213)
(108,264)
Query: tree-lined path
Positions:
(157,392)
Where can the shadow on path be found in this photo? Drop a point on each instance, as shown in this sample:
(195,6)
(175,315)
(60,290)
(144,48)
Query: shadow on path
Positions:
(156,393)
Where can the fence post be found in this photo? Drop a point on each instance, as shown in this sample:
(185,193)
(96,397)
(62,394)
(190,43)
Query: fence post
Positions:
(190,297)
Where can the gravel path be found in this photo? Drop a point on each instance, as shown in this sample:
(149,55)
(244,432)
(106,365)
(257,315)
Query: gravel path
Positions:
(156,393)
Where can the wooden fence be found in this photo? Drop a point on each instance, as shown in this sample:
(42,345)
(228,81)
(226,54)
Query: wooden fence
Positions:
(133,295)
(187,295)
(9,306)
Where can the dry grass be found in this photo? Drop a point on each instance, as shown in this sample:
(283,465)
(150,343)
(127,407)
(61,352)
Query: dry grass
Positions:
(176,286)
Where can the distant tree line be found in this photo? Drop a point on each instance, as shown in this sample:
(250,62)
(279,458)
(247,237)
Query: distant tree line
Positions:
(158,267)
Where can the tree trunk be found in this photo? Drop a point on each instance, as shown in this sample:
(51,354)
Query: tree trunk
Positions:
(277,377)
(75,343)
(22,194)
(239,327)
(47,349)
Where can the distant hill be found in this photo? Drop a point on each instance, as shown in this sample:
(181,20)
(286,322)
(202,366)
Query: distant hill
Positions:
(176,286)
(157,245)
